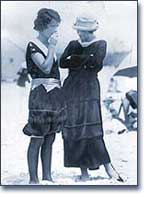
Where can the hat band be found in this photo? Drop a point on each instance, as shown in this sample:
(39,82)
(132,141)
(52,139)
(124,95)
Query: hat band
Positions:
(85,26)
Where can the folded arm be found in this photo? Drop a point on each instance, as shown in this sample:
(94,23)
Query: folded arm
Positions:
(92,59)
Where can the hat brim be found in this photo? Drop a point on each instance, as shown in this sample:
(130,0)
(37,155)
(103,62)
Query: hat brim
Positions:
(85,28)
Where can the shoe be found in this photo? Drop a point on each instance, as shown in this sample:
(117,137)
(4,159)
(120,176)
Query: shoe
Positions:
(46,182)
(120,179)
(112,173)
(34,183)
(83,178)
(48,179)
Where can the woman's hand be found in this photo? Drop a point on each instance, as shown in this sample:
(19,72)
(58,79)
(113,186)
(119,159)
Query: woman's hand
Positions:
(53,40)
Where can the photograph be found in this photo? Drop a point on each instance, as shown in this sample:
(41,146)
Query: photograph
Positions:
(69,90)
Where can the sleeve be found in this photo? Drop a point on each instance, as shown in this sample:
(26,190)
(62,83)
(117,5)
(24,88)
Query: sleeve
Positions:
(96,56)
(38,59)
(92,59)
(70,57)
(32,48)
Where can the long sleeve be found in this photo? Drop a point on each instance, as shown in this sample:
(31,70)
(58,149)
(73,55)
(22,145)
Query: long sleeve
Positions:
(96,56)
(91,57)
(72,57)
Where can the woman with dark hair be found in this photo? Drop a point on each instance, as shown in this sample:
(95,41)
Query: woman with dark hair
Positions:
(84,146)
(44,96)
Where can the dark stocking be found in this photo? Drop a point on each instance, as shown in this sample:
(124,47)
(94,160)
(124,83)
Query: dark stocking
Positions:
(46,156)
(32,156)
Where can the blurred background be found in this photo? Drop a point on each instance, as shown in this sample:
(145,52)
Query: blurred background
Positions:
(117,25)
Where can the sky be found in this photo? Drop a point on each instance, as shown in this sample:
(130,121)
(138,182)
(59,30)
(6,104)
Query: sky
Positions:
(117,20)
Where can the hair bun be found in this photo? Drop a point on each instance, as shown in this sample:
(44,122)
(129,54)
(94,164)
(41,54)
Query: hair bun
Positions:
(44,17)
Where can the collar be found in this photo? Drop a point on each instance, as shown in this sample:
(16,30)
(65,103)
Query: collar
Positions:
(43,48)
(86,44)
(40,45)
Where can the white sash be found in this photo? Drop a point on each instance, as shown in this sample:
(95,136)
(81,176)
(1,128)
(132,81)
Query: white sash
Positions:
(48,83)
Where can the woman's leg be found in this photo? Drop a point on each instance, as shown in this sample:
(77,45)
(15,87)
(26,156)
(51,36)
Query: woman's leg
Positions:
(32,156)
(110,170)
(46,156)
(112,173)
(84,173)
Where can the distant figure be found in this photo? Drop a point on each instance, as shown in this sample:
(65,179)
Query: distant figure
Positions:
(107,102)
(113,85)
(23,75)
(129,107)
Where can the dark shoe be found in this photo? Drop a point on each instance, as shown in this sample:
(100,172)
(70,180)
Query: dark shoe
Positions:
(82,178)
(120,179)
(48,179)
(46,182)
(34,182)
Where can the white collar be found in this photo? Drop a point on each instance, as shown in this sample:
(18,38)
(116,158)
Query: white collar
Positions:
(43,48)
(85,44)
(40,45)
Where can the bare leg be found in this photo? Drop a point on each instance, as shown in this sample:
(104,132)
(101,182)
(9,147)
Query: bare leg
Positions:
(32,156)
(112,173)
(46,157)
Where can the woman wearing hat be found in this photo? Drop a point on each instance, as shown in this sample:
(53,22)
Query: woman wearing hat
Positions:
(84,146)
(44,96)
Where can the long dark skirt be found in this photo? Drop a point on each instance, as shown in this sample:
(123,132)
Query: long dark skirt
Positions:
(88,153)
(44,109)
(82,127)
(81,104)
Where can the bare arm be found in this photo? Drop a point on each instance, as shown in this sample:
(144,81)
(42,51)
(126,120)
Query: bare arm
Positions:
(45,64)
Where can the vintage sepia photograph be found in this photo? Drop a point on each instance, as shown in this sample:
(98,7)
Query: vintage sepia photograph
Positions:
(69,93)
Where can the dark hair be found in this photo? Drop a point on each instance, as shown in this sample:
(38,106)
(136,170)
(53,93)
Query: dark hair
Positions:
(44,17)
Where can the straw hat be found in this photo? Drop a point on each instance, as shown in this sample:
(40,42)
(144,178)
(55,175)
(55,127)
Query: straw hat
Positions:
(86,23)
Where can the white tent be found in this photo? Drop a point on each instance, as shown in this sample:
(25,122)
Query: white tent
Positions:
(12,57)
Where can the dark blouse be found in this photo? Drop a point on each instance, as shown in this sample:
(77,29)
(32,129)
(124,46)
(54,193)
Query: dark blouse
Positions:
(81,90)
(34,70)
(77,57)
